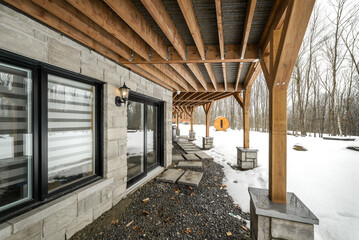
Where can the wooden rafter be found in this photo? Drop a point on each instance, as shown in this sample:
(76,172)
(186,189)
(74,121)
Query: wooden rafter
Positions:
(95,10)
(232,55)
(192,23)
(221,39)
(251,5)
(284,40)
(131,15)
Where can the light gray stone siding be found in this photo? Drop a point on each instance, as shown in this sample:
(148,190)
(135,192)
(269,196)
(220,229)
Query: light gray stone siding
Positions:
(63,217)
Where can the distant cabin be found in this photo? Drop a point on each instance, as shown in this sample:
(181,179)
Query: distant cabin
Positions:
(221,123)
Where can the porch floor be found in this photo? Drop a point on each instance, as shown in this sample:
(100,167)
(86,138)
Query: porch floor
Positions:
(173,211)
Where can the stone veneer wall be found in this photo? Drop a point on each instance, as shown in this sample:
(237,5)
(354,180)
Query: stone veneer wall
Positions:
(63,217)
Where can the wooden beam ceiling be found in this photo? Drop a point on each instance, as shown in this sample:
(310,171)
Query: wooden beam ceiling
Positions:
(193,56)
(221,39)
(251,5)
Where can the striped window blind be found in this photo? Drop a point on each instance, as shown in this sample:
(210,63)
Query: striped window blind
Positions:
(15,135)
(71,107)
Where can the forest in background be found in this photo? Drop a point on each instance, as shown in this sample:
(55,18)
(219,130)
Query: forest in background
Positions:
(323,94)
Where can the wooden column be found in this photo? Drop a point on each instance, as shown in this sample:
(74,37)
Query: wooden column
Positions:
(244,103)
(178,116)
(207,109)
(277,65)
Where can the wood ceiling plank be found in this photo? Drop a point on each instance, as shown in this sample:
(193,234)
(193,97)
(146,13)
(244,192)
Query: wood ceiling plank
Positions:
(101,14)
(74,17)
(218,4)
(197,72)
(212,55)
(251,5)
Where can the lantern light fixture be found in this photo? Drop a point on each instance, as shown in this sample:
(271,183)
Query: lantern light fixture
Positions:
(124,92)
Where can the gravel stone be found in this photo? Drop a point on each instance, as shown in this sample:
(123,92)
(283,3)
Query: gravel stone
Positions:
(173,209)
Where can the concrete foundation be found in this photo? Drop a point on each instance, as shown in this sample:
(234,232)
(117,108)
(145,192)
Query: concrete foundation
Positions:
(207,142)
(272,221)
(191,136)
(178,132)
(247,158)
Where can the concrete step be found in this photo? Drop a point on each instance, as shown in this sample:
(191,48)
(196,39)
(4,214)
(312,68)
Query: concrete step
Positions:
(171,175)
(190,178)
(191,157)
(177,157)
(203,156)
(189,164)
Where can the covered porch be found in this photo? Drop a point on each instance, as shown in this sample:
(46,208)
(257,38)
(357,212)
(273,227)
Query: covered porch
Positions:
(175,56)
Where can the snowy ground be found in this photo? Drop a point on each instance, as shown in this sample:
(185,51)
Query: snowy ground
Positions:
(325,178)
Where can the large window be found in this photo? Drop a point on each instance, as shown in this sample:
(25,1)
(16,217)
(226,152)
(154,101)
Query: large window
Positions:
(71,150)
(15,135)
(50,133)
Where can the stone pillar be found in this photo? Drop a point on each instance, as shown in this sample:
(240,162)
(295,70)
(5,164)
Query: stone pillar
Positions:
(207,142)
(178,132)
(247,158)
(192,135)
(270,220)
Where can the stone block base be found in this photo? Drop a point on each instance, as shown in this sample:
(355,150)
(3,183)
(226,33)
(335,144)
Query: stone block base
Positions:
(178,132)
(207,142)
(272,221)
(247,158)
(174,127)
(192,136)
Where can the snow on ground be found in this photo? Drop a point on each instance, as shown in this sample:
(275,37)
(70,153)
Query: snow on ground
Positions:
(325,178)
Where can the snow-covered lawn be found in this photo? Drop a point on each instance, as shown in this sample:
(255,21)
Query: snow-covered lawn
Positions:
(325,178)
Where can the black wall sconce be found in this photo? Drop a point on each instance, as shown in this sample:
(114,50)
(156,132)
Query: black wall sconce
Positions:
(124,91)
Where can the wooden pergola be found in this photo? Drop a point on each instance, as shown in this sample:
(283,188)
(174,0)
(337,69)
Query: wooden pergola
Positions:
(207,50)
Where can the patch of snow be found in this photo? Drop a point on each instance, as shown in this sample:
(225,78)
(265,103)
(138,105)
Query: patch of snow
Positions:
(325,177)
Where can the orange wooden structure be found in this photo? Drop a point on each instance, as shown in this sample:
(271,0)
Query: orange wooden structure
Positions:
(221,123)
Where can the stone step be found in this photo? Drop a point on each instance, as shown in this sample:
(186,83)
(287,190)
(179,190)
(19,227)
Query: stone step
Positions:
(189,164)
(193,151)
(191,157)
(204,156)
(177,157)
(171,175)
(190,178)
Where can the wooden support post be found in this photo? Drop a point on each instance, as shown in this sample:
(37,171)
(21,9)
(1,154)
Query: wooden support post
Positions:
(178,116)
(207,109)
(278,144)
(285,42)
(192,117)
(246,127)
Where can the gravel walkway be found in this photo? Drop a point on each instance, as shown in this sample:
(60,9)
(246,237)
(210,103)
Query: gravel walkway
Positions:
(173,212)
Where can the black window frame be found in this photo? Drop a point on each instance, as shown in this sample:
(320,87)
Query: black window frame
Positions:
(40,71)
(146,100)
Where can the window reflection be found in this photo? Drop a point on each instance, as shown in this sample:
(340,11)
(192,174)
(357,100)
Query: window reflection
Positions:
(70,131)
(15,135)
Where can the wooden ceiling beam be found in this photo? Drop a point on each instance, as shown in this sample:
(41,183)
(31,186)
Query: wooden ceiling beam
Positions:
(211,75)
(96,10)
(251,5)
(197,72)
(132,16)
(275,21)
(101,14)
(150,77)
(74,17)
(160,75)
(212,55)
(172,74)
(181,70)
(218,4)
(164,21)
(223,96)
(60,25)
